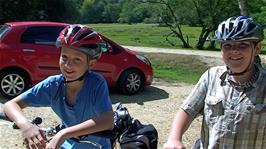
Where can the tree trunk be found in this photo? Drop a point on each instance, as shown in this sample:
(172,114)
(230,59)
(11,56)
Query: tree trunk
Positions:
(243,7)
(202,38)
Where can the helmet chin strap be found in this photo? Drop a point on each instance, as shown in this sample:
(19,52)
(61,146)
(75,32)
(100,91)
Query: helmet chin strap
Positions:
(236,73)
(78,79)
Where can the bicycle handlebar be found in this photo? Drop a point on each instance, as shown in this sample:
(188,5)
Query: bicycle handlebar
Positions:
(4,117)
(50,131)
(36,120)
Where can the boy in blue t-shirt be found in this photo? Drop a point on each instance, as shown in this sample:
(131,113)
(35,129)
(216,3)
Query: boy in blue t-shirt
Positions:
(78,96)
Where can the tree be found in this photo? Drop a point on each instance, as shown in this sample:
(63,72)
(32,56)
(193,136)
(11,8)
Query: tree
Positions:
(171,20)
(15,10)
(204,13)
(210,13)
(135,12)
(257,10)
(111,12)
(48,10)
(92,11)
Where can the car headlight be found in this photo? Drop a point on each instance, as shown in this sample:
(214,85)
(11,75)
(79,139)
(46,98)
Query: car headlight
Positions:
(144,59)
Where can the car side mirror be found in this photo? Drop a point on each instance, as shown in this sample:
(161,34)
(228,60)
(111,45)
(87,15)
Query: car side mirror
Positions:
(106,47)
(110,49)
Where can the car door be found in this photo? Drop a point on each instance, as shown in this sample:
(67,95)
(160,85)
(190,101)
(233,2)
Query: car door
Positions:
(39,50)
(109,63)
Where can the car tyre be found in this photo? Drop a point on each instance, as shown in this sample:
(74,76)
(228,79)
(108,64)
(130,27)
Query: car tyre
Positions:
(131,82)
(13,83)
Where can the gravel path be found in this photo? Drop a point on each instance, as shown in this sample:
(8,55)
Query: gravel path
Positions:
(204,53)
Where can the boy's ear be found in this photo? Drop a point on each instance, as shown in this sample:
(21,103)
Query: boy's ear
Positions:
(258,48)
(92,63)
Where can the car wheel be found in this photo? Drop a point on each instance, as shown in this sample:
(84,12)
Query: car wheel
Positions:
(131,82)
(12,83)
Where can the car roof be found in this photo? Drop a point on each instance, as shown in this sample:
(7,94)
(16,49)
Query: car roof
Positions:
(39,23)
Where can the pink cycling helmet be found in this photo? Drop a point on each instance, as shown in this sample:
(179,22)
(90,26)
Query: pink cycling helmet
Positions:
(82,38)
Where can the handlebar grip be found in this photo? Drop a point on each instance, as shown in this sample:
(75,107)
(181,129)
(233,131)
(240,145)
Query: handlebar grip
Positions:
(4,117)
(36,121)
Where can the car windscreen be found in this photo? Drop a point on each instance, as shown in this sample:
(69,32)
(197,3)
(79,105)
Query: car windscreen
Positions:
(3,30)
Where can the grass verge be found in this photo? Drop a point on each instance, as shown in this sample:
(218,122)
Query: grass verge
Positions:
(181,68)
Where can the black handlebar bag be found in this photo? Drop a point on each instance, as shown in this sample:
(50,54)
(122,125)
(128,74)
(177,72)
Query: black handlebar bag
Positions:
(139,136)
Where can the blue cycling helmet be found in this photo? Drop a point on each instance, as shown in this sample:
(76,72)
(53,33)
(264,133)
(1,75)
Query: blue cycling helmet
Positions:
(239,28)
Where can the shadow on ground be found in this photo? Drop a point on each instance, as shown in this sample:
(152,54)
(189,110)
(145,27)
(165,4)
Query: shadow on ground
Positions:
(150,93)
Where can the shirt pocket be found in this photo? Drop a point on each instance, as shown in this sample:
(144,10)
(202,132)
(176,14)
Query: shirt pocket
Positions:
(256,116)
(213,109)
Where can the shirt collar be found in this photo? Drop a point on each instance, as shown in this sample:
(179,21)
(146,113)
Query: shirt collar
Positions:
(225,78)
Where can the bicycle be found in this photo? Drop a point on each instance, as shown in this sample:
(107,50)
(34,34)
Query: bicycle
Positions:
(127,132)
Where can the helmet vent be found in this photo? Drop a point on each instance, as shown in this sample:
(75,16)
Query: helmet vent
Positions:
(90,38)
(231,26)
(83,35)
(75,30)
(251,27)
(90,46)
(240,25)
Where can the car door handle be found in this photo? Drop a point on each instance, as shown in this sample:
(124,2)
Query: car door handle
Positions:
(28,50)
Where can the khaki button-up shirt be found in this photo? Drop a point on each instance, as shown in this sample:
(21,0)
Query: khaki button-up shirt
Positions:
(234,117)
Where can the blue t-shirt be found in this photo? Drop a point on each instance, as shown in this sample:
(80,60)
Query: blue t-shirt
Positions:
(91,101)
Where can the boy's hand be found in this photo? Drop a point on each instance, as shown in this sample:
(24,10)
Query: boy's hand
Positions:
(56,141)
(33,136)
(170,144)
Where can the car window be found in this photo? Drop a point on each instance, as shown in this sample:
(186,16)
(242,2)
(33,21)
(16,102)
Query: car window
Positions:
(3,30)
(41,34)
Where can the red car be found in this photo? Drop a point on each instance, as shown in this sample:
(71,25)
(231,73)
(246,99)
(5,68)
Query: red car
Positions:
(28,55)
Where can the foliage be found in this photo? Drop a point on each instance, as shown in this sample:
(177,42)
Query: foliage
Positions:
(48,10)
(206,14)
(257,10)
(91,11)
(170,18)
(210,13)
(10,12)
(133,12)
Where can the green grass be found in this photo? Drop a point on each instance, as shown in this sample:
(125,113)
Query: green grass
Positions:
(181,68)
(149,35)
(187,69)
